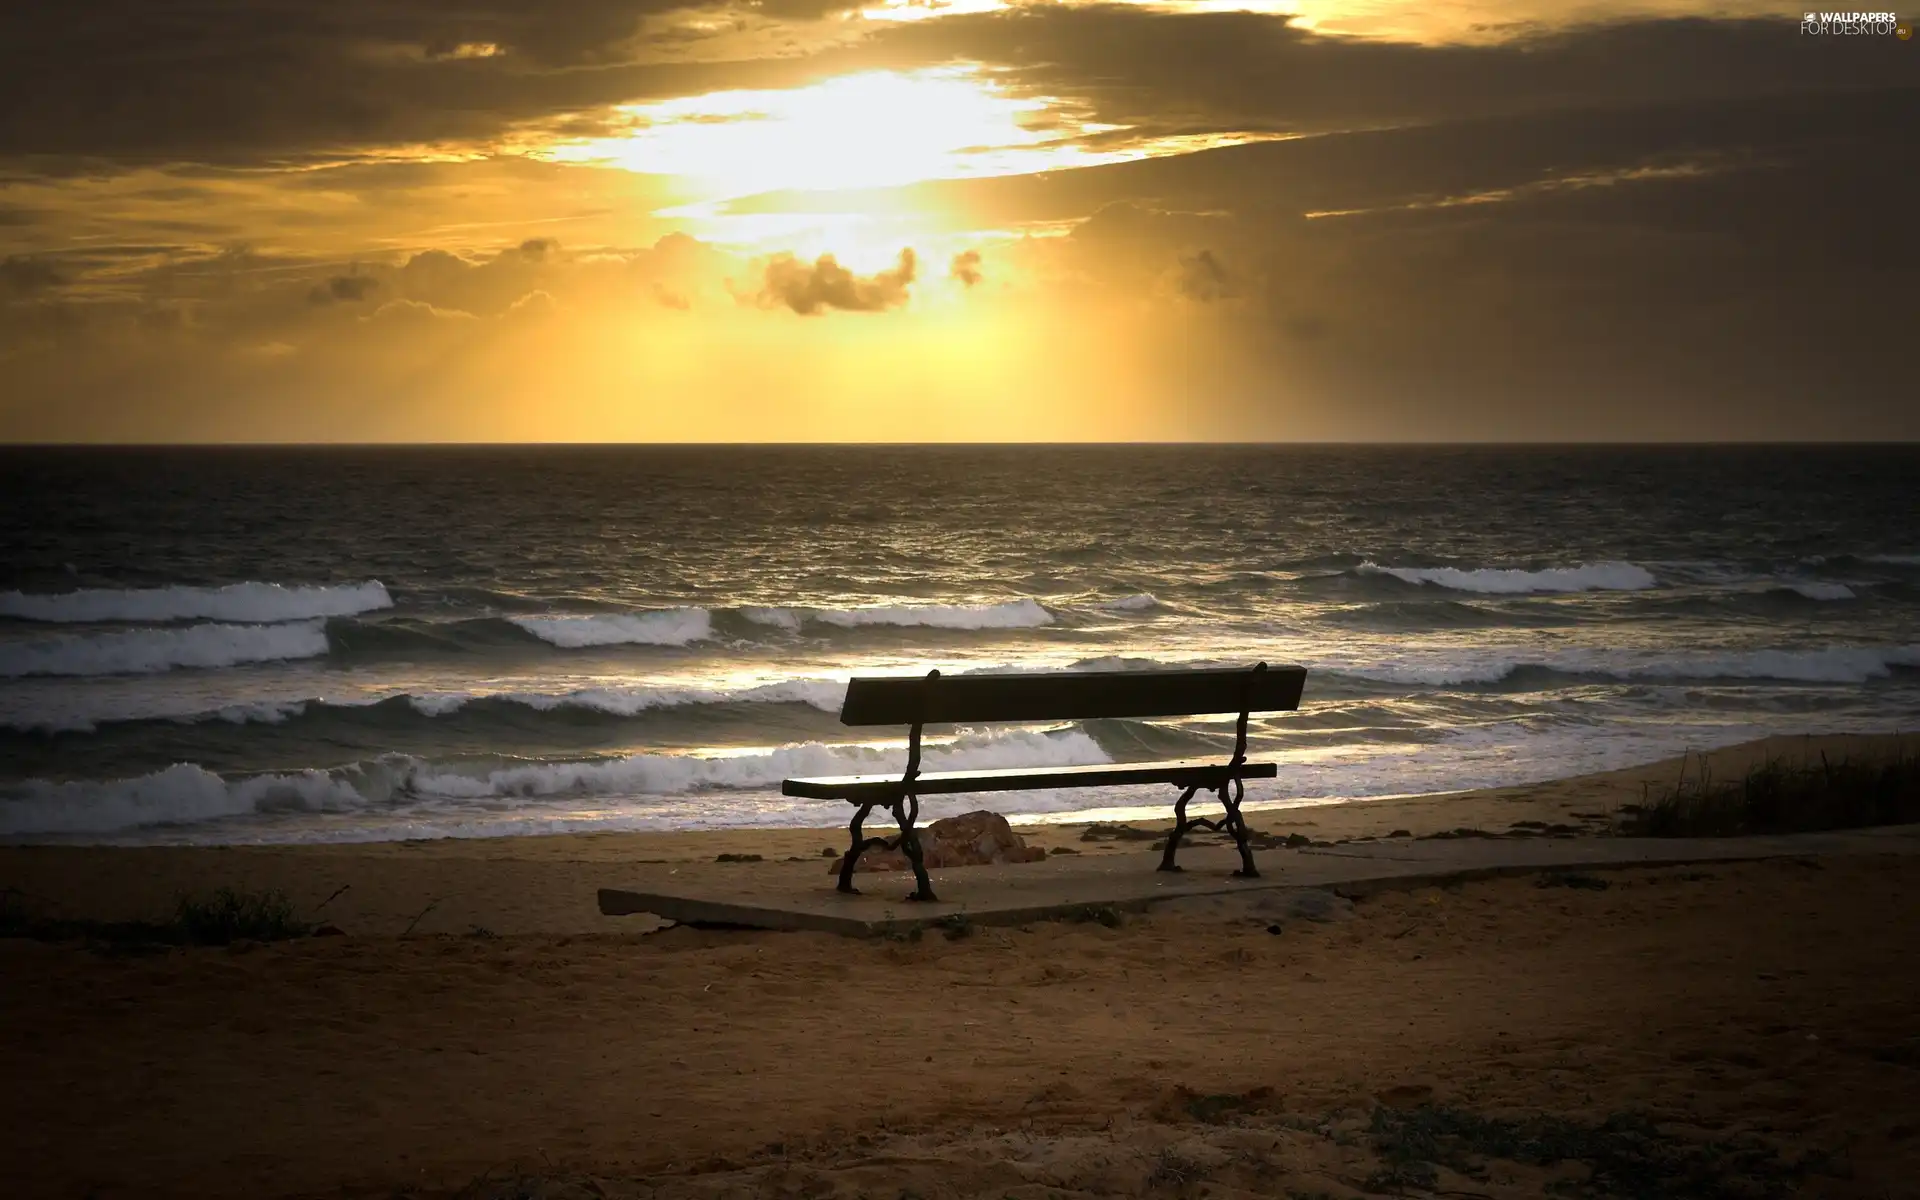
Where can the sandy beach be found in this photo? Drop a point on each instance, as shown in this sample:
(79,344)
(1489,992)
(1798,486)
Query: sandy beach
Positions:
(480,1022)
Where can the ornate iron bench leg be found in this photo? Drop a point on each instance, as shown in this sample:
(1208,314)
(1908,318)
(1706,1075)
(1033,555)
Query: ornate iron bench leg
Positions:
(1180,827)
(906,812)
(1230,796)
(860,845)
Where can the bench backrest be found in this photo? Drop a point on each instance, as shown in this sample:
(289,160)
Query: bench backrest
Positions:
(1071,695)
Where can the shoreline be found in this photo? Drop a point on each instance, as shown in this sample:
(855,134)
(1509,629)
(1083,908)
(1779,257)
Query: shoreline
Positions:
(547,884)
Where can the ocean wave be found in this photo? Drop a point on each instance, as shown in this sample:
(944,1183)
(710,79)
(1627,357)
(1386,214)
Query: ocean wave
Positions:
(252,603)
(1816,589)
(778,618)
(181,794)
(1012,614)
(1135,603)
(1588,577)
(825,695)
(187,793)
(1898,560)
(1837,664)
(666,627)
(670,774)
(149,651)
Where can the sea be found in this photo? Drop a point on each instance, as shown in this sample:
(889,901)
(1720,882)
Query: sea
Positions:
(261,645)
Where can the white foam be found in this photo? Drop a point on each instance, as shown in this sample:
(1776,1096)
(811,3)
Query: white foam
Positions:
(1135,603)
(779,618)
(182,793)
(260,603)
(186,793)
(1589,577)
(439,704)
(667,627)
(262,712)
(671,774)
(1013,614)
(823,694)
(147,651)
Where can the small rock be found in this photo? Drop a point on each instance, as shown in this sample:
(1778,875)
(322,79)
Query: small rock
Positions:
(972,839)
(1098,832)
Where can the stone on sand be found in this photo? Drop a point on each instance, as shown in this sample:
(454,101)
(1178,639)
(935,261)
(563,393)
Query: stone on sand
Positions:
(969,840)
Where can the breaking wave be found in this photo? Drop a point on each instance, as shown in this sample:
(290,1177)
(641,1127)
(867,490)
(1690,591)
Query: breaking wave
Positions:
(823,694)
(667,627)
(1821,590)
(1838,664)
(1011,614)
(253,603)
(186,793)
(1589,577)
(148,651)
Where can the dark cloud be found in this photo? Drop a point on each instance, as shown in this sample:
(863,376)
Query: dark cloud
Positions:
(1202,277)
(1169,72)
(537,249)
(21,276)
(1433,162)
(265,81)
(253,81)
(813,288)
(349,289)
(966,267)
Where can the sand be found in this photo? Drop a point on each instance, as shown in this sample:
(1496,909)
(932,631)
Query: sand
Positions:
(515,1032)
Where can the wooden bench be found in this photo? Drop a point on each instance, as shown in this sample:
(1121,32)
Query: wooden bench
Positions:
(937,699)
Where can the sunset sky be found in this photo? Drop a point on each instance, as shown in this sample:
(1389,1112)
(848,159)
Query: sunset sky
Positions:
(772,220)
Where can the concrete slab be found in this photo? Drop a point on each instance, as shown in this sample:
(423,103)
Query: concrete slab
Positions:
(788,896)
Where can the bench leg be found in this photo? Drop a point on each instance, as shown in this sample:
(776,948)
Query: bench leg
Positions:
(905,812)
(1230,797)
(1180,827)
(860,845)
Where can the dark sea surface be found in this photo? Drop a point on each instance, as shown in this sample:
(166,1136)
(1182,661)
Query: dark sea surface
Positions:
(336,644)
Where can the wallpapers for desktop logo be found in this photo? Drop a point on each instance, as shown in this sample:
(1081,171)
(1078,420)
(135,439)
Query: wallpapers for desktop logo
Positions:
(1856,24)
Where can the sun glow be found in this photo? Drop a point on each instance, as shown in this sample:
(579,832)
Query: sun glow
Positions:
(859,135)
(874,129)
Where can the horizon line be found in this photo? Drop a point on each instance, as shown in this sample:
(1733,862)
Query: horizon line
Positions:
(6,446)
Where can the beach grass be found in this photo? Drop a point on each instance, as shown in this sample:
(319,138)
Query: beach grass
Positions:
(217,918)
(1779,796)
(1625,1154)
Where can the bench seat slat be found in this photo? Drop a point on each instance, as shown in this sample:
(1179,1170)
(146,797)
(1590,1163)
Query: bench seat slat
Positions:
(1183,771)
